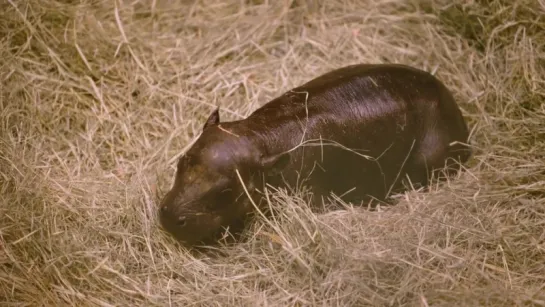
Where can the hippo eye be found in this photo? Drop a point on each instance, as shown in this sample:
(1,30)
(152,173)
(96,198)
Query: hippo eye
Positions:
(181,221)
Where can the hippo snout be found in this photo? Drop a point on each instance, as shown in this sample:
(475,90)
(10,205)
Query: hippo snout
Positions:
(188,227)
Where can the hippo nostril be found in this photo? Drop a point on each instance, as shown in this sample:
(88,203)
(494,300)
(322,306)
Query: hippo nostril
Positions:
(181,221)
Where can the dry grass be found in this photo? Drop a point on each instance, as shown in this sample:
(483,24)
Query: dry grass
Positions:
(98,99)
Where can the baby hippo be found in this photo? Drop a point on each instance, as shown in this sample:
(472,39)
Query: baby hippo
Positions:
(356,132)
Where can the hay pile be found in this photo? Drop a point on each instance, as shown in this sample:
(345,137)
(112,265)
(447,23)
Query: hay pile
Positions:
(98,99)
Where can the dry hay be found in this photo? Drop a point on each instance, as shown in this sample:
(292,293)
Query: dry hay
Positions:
(98,98)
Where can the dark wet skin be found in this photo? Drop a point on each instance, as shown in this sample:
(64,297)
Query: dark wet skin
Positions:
(398,121)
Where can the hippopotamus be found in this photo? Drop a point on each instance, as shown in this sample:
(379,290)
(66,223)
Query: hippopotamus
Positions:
(356,132)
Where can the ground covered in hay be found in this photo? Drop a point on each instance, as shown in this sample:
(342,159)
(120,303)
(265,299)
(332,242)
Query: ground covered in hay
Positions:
(99,98)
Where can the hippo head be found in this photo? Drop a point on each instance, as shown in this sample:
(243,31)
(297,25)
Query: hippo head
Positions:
(208,195)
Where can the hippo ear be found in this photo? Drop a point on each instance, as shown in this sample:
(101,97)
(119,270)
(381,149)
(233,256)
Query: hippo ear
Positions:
(213,119)
(275,163)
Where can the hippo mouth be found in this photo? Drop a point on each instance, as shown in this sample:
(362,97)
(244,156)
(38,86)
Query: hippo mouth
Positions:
(193,228)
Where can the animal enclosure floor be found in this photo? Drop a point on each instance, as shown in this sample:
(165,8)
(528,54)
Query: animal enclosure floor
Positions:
(99,98)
